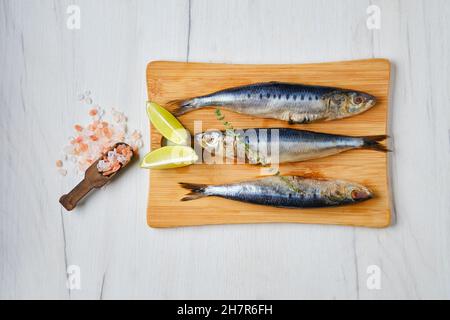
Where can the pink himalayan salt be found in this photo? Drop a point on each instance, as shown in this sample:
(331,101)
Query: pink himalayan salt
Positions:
(114,159)
(96,137)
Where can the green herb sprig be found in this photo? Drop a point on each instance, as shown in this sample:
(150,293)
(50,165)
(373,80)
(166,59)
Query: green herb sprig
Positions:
(231,132)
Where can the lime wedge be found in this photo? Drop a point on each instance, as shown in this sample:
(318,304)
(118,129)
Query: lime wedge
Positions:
(169,157)
(166,123)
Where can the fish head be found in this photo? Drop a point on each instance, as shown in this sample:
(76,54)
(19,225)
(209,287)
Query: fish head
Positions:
(348,103)
(209,139)
(357,193)
(359,102)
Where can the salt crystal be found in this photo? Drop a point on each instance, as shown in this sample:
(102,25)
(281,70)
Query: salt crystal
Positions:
(93,112)
(101,165)
(139,143)
(136,135)
(112,156)
(121,158)
(59,163)
(62,172)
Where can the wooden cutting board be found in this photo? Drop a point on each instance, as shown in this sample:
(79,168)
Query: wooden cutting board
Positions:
(175,80)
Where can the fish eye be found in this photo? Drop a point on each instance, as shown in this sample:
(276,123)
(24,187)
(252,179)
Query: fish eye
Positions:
(212,138)
(358,100)
(358,194)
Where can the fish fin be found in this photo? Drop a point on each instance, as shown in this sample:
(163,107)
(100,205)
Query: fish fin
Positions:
(372,142)
(183,106)
(197,191)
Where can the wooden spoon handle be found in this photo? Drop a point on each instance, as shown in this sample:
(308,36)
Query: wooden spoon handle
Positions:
(70,200)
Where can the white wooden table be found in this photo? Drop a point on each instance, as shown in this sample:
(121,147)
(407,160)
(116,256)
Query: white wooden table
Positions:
(43,67)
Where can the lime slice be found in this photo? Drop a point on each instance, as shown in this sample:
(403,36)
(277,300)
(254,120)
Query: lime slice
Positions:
(166,123)
(169,157)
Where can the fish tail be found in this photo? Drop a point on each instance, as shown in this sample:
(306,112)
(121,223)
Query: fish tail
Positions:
(183,106)
(197,191)
(372,142)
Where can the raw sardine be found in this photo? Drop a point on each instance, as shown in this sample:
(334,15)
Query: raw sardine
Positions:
(291,102)
(285,191)
(290,145)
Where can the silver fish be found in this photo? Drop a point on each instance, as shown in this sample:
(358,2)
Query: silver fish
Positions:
(291,145)
(285,192)
(291,102)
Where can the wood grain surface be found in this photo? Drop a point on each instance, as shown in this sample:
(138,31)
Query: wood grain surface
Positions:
(174,80)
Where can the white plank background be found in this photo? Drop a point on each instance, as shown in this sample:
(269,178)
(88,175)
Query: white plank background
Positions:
(43,67)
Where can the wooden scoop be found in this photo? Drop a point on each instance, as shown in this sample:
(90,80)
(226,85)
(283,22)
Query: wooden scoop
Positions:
(93,179)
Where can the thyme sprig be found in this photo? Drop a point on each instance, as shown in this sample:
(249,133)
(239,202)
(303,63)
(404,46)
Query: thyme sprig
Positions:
(289,183)
(231,132)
